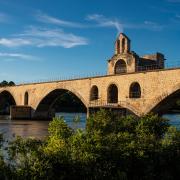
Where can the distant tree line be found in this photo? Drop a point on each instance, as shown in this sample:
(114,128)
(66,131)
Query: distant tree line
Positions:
(6,83)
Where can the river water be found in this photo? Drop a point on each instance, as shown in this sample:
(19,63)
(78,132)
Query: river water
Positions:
(39,129)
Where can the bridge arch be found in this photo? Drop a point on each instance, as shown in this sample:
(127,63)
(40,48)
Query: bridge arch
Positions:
(120,67)
(94,93)
(6,100)
(112,93)
(165,102)
(46,107)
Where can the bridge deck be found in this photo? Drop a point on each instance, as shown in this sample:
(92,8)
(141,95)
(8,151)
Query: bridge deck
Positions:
(93,77)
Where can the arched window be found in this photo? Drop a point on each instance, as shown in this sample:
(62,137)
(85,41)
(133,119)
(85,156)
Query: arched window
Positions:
(112,94)
(26,98)
(135,90)
(123,45)
(94,94)
(120,67)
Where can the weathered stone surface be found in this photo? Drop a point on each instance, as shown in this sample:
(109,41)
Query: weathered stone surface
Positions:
(156,85)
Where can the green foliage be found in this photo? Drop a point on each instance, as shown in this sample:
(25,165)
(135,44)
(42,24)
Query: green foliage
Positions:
(109,148)
(11,83)
(5,83)
(178,102)
(59,128)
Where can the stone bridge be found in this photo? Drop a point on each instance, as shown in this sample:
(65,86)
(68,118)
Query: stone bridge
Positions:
(157,90)
(134,84)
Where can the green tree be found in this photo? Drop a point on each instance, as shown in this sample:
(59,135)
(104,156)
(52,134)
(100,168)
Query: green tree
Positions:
(110,147)
(11,83)
(4,83)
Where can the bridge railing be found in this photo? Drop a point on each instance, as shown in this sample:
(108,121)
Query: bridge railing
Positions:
(119,104)
(103,103)
(156,67)
(98,74)
(64,78)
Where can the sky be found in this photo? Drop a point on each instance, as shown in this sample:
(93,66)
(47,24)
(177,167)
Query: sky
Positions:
(48,39)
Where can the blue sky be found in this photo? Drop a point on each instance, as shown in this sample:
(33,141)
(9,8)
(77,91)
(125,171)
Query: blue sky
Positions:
(43,39)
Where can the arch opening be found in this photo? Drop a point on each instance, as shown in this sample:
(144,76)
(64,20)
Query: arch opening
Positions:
(26,98)
(94,93)
(6,101)
(123,45)
(59,101)
(135,90)
(118,46)
(170,104)
(120,67)
(112,94)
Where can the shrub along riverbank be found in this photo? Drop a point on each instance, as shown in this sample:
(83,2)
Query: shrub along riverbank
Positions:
(109,148)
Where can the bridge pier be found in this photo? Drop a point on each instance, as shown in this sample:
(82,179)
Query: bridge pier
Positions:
(27,112)
(20,112)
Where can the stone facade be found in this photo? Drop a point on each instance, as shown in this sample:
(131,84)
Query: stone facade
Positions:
(155,87)
(124,60)
(138,91)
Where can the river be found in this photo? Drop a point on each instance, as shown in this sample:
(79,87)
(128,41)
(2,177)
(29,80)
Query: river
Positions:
(39,129)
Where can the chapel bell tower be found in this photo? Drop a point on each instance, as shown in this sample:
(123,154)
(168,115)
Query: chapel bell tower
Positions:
(122,44)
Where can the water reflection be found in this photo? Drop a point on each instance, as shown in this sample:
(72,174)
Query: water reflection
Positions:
(174,119)
(37,129)
(10,129)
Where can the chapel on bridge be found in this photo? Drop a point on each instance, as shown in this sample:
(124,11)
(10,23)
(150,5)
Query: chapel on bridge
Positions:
(125,61)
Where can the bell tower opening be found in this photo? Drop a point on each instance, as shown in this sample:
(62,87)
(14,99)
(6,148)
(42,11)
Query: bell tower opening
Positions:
(122,44)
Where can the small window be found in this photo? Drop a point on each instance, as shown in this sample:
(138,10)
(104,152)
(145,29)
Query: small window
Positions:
(94,94)
(135,90)
(112,94)
(26,98)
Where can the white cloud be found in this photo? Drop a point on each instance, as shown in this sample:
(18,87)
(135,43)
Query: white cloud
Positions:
(17,56)
(49,37)
(102,21)
(52,20)
(14,42)
(120,26)
(42,37)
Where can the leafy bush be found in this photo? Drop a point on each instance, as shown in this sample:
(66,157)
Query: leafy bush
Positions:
(109,148)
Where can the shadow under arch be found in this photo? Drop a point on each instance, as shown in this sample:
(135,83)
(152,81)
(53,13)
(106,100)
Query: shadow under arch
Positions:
(59,100)
(6,101)
(168,103)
